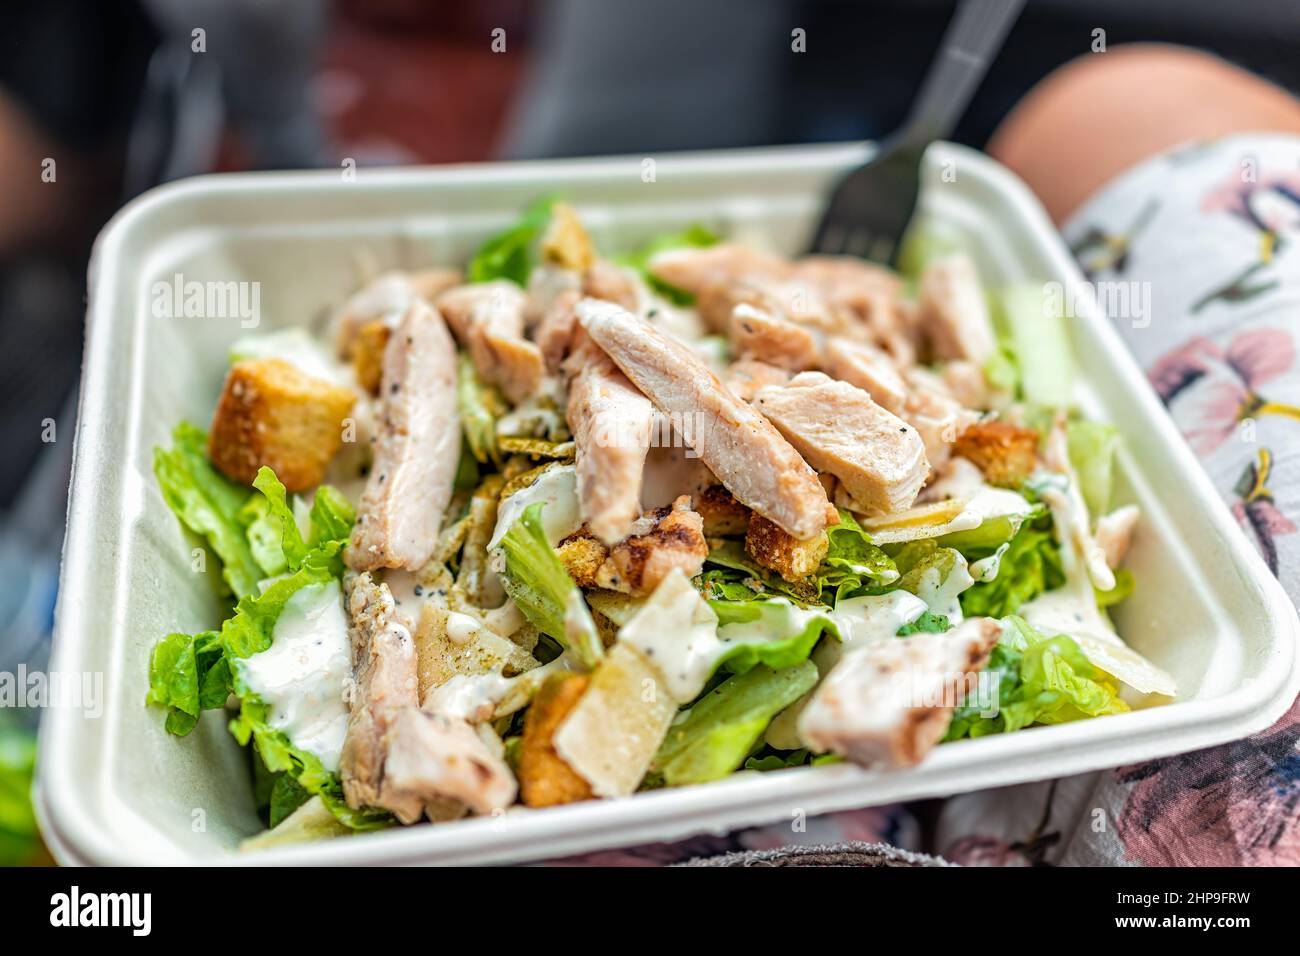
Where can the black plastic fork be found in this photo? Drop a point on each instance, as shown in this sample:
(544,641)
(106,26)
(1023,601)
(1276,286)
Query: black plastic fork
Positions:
(871,206)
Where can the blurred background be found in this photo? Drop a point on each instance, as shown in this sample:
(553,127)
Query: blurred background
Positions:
(101,100)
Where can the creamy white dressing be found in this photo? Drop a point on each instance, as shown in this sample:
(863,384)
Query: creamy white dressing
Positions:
(301,675)
(875,617)
(473,698)
(986,569)
(557,489)
(940,592)
(462,628)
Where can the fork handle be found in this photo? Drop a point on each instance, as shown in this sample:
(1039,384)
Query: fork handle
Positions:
(969,45)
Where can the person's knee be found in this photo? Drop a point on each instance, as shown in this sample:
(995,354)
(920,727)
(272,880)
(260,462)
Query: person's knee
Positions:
(1104,112)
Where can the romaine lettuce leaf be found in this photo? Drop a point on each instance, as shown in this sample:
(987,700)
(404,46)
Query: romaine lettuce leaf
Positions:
(19,838)
(1041,680)
(774,632)
(538,583)
(1030,566)
(208,504)
(1092,448)
(509,254)
(721,729)
(852,561)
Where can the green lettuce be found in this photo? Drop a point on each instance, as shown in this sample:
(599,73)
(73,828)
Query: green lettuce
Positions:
(1092,448)
(775,633)
(475,402)
(695,236)
(19,839)
(1040,680)
(732,569)
(927,623)
(208,504)
(509,254)
(852,561)
(720,730)
(536,580)
(1030,566)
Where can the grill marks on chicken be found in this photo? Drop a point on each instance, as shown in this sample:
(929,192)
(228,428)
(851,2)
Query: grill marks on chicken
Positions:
(740,447)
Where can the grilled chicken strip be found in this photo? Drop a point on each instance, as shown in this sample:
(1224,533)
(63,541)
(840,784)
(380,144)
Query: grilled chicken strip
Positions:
(837,428)
(436,759)
(664,539)
(417,448)
(744,377)
(384,683)
(386,298)
(691,270)
(888,703)
(767,337)
(740,447)
(611,425)
(488,319)
(954,312)
(868,368)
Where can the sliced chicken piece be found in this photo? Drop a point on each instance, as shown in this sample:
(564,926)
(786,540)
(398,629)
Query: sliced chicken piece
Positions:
(417,448)
(692,269)
(612,283)
(768,337)
(848,278)
(966,383)
(435,759)
(554,333)
(1115,533)
(384,683)
(837,428)
(611,424)
(935,414)
(387,298)
(954,312)
(744,377)
(738,445)
(660,541)
(868,368)
(889,702)
(488,319)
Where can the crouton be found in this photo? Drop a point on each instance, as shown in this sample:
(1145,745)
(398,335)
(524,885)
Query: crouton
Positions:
(637,564)
(789,557)
(1006,453)
(566,243)
(368,354)
(582,556)
(272,414)
(723,515)
(545,780)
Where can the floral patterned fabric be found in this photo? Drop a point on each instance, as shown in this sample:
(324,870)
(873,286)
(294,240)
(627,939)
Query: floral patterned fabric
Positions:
(1213,229)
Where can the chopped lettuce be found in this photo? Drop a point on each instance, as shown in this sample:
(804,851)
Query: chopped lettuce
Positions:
(734,572)
(509,254)
(720,730)
(479,408)
(927,623)
(695,236)
(1033,332)
(538,583)
(774,632)
(1030,565)
(192,673)
(1040,680)
(1092,448)
(852,561)
(208,504)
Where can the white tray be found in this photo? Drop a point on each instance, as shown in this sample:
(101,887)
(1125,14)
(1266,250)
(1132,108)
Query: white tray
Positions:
(118,789)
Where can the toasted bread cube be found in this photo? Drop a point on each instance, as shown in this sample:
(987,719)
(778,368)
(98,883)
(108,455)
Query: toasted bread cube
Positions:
(1006,453)
(566,243)
(368,354)
(778,551)
(272,414)
(544,778)
(582,556)
(723,515)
